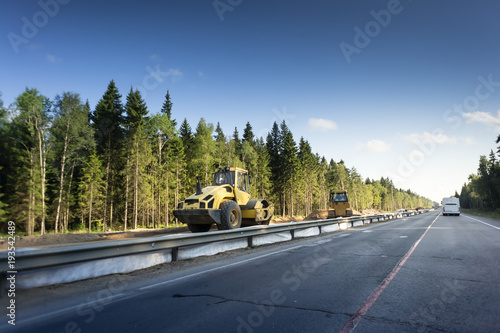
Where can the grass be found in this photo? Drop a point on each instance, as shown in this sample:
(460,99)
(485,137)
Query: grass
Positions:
(492,214)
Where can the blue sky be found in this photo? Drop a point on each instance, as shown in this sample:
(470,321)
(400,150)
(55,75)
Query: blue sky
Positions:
(405,89)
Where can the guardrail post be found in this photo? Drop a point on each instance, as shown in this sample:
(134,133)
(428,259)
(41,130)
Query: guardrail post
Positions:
(175,253)
(250,241)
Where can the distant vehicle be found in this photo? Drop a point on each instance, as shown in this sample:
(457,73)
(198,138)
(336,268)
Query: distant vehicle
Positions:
(451,206)
(339,205)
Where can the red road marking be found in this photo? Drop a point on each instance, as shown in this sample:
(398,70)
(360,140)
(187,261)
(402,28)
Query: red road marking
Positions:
(367,304)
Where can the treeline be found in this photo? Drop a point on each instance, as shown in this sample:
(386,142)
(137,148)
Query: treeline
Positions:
(483,189)
(66,167)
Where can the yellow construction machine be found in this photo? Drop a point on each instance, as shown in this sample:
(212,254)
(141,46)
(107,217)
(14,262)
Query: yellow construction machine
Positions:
(339,204)
(226,203)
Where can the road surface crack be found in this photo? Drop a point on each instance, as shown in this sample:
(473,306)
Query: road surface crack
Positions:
(225,299)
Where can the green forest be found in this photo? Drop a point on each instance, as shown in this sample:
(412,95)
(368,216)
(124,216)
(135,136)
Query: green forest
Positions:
(482,191)
(67,167)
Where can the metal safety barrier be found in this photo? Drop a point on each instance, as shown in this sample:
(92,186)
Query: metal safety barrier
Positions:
(31,259)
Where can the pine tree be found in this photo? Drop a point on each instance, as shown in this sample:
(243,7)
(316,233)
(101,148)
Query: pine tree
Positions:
(248,135)
(203,151)
(178,168)
(167,109)
(310,170)
(187,138)
(107,120)
(273,144)
(289,168)
(262,176)
(162,134)
(136,112)
(248,153)
(236,143)
(91,188)
(221,158)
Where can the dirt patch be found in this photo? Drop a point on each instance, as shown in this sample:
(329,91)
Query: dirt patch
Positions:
(371,211)
(318,214)
(287,219)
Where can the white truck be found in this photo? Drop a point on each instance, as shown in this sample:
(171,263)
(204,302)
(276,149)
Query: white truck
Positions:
(451,206)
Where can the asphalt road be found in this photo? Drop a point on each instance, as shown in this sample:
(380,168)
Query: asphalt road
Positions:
(426,273)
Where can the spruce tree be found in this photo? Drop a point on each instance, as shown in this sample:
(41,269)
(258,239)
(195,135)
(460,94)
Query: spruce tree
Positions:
(107,123)
(136,112)
(167,109)
(248,135)
(91,188)
(289,168)
(203,152)
(221,158)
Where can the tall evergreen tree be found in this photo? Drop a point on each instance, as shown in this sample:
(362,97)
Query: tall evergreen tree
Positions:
(178,168)
(203,150)
(248,134)
(187,138)
(273,144)
(108,120)
(310,170)
(167,109)
(221,148)
(91,190)
(290,168)
(162,135)
(136,112)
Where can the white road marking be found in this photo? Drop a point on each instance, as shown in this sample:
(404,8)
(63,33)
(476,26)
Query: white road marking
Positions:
(489,225)
(217,268)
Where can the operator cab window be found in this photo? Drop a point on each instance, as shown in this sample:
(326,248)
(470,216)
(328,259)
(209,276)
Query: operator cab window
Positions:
(224,177)
(339,197)
(243,182)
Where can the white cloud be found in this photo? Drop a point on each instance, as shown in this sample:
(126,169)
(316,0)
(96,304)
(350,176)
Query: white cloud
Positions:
(174,73)
(374,145)
(437,137)
(322,125)
(486,118)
